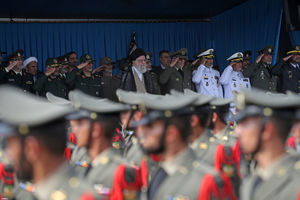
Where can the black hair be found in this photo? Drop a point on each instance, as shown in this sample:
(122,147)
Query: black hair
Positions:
(283,127)
(182,123)
(52,135)
(163,51)
(109,127)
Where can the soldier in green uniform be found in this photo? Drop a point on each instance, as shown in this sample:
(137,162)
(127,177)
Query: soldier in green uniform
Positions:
(288,71)
(14,75)
(133,152)
(201,140)
(220,127)
(166,128)
(260,71)
(83,79)
(95,133)
(109,82)
(176,76)
(51,81)
(263,126)
(37,144)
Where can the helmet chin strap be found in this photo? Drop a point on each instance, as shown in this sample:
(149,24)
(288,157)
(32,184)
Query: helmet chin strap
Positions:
(262,129)
(88,145)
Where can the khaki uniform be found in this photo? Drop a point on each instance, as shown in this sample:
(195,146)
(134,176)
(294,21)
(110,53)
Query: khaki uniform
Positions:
(279,181)
(205,147)
(184,177)
(133,153)
(63,184)
(102,170)
(172,79)
(227,136)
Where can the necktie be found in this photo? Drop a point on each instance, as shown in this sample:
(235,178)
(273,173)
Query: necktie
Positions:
(155,183)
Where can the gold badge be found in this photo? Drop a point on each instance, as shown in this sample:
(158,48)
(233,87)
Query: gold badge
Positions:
(203,146)
(297,165)
(211,139)
(55,61)
(239,55)
(228,170)
(281,172)
(88,57)
(58,195)
(104,160)
(297,48)
(183,170)
(168,113)
(74,182)
(130,194)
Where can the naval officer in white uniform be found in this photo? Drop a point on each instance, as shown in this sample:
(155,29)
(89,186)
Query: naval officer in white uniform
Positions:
(232,78)
(205,77)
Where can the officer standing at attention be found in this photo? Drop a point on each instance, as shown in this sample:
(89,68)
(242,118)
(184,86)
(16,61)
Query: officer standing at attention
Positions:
(260,71)
(37,144)
(14,74)
(232,78)
(205,77)
(95,132)
(51,81)
(288,71)
(166,130)
(82,78)
(263,126)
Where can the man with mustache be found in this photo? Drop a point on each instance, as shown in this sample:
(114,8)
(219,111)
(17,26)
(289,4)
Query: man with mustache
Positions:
(260,71)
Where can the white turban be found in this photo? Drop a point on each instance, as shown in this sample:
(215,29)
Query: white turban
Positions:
(29,60)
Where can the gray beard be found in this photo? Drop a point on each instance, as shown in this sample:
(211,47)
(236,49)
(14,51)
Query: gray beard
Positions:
(141,68)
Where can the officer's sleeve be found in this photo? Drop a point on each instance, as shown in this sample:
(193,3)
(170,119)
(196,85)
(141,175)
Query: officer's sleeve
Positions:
(71,77)
(198,75)
(225,78)
(250,70)
(276,70)
(40,82)
(164,76)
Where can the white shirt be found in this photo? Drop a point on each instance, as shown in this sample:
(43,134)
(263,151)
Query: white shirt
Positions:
(140,75)
(295,66)
(206,80)
(233,81)
(14,71)
(163,67)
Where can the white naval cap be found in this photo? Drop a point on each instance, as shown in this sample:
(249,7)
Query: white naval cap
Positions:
(29,60)
(236,57)
(207,53)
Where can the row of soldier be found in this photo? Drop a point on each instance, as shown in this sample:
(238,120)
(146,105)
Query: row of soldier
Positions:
(176,146)
(175,72)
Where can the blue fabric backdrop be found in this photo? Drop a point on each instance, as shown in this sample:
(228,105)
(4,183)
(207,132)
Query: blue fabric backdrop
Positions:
(45,40)
(295,37)
(251,25)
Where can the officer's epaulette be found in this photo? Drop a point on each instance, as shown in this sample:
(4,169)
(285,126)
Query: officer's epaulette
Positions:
(27,187)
